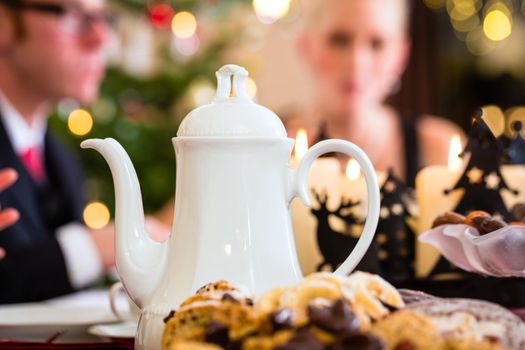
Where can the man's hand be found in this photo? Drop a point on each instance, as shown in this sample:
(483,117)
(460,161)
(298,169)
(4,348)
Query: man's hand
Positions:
(7,216)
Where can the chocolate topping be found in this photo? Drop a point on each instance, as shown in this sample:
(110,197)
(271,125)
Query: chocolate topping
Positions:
(405,345)
(337,319)
(413,296)
(217,333)
(518,211)
(486,224)
(449,218)
(281,319)
(359,341)
(303,339)
(229,297)
(169,317)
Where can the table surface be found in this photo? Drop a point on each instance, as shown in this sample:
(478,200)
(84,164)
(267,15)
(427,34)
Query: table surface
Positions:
(77,336)
(66,327)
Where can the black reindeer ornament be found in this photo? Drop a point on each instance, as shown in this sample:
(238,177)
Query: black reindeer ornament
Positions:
(333,245)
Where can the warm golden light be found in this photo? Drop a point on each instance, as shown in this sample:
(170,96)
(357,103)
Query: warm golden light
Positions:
(202,92)
(454,150)
(513,115)
(251,86)
(96,215)
(301,144)
(463,9)
(80,122)
(353,170)
(435,4)
(494,117)
(478,43)
(269,11)
(184,25)
(497,25)
(467,25)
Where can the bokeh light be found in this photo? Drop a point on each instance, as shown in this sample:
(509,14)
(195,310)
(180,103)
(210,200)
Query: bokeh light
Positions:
(461,10)
(478,43)
(96,215)
(65,106)
(301,144)
(269,11)
(353,170)
(435,4)
(187,46)
(494,117)
(454,150)
(202,92)
(252,87)
(497,25)
(513,115)
(184,25)
(467,25)
(80,122)
(161,16)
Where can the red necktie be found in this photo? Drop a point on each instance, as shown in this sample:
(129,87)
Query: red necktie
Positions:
(32,160)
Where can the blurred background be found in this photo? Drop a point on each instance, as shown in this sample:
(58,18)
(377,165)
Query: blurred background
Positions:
(163,57)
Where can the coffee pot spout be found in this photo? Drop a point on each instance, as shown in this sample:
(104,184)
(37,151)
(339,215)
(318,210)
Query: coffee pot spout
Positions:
(140,260)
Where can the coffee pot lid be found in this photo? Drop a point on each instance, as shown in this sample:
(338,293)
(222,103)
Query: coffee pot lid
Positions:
(232,113)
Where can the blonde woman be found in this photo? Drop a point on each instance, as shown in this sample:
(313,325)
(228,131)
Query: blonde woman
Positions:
(356,52)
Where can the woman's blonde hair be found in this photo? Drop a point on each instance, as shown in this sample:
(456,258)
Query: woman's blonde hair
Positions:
(314,8)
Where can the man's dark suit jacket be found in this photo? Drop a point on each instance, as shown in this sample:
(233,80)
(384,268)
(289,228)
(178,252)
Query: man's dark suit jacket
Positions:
(34,268)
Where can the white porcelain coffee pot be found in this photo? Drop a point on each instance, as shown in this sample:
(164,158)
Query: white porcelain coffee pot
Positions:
(232,218)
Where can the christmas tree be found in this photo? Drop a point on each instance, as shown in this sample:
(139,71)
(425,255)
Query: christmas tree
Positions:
(163,66)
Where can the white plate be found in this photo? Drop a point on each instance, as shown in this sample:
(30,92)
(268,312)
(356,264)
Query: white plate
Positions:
(122,330)
(39,314)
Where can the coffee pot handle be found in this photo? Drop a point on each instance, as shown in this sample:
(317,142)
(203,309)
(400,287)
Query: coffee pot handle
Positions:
(301,190)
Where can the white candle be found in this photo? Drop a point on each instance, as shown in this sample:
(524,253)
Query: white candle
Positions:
(431,182)
(324,180)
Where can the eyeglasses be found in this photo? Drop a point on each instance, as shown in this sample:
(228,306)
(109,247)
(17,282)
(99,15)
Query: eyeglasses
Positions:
(73,18)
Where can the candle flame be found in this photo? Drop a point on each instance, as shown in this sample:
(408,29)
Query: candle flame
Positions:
(301,144)
(454,150)
(353,170)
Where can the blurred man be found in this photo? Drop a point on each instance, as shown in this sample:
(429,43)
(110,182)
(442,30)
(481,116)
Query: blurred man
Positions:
(49,50)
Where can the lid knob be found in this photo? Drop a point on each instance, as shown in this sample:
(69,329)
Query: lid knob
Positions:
(225,90)
(232,113)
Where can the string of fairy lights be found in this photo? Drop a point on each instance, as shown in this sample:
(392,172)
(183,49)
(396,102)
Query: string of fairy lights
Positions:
(484,25)
(186,40)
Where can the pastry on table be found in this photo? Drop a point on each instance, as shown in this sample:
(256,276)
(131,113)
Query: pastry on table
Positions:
(328,312)
(407,329)
(474,321)
(321,310)
(214,312)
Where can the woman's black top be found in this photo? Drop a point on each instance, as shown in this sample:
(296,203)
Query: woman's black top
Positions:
(408,129)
